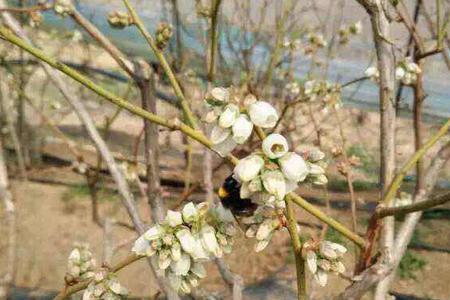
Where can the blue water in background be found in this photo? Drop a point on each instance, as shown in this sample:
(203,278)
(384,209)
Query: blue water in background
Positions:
(437,102)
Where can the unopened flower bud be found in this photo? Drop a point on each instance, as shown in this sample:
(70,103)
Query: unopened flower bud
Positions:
(119,19)
(163,34)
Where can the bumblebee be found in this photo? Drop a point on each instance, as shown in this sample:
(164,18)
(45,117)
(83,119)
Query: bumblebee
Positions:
(229,194)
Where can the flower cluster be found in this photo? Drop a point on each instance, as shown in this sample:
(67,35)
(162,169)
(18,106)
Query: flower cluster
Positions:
(293,88)
(346,31)
(404,199)
(294,44)
(322,258)
(80,264)
(267,177)
(373,73)
(262,225)
(63,7)
(315,41)
(328,93)
(407,71)
(163,34)
(119,19)
(231,125)
(105,286)
(185,239)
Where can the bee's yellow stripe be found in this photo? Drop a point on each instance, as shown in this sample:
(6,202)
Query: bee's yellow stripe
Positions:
(223,192)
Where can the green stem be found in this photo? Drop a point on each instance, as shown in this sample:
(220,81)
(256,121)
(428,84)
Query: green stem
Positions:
(398,179)
(164,64)
(297,246)
(328,220)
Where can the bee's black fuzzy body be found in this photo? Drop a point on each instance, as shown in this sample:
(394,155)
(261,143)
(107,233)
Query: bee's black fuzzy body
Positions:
(229,195)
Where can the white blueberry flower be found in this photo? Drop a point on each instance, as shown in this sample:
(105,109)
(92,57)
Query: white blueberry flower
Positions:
(81,263)
(189,212)
(309,87)
(187,240)
(275,146)
(413,68)
(212,115)
(327,250)
(311,260)
(321,277)
(154,232)
(261,245)
(373,73)
(315,155)
(248,168)
(324,264)
(220,94)
(242,129)
(228,116)
(142,246)
(219,135)
(315,169)
(263,114)
(294,167)
(319,179)
(399,73)
(63,7)
(274,183)
(338,248)
(182,266)
(224,148)
(209,241)
(338,267)
(174,218)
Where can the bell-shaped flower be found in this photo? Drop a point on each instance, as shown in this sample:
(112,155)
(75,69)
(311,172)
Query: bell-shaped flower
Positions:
(261,245)
(142,247)
(372,72)
(311,260)
(263,114)
(244,191)
(264,230)
(326,249)
(275,146)
(182,266)
(219,134)
(224,148)
(164,259)
(248,168)
(175,252)
(187,240)
(154,233)
(321,277)
(189,212)
(242,129)
(315,169)
(229,116)
(338,267)
(173,218)
(209,241)
(315,155)
(294,167)
(274,183)
(255,185)
(399,73)
(340,250)
(320,179)
(220,94)
(324,264)
(212,115)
